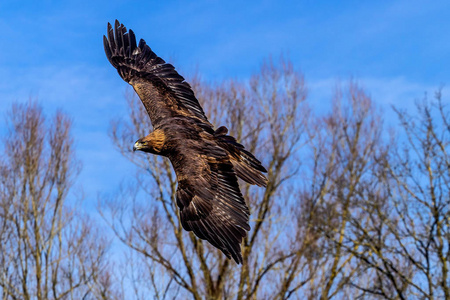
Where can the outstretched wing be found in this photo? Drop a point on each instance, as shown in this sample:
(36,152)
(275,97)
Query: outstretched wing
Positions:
(162,90)
(211,204)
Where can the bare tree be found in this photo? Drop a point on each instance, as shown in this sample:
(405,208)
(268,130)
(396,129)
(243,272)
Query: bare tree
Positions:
(407,248)
(351,211)
(344,154)
(269,116)
(47,250)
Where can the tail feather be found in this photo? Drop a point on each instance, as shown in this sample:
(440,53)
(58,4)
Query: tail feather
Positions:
(246,165)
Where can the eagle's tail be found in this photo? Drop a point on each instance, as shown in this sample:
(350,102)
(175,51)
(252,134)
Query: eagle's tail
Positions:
(245,164)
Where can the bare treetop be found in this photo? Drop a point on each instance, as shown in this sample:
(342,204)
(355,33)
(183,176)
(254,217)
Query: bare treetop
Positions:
(47,250)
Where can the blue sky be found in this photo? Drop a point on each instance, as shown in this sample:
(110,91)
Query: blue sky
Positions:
(52,51)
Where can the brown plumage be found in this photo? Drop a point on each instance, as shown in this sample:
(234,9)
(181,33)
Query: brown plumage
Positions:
(206,162)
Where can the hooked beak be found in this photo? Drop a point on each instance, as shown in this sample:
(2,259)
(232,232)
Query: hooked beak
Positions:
(136,146)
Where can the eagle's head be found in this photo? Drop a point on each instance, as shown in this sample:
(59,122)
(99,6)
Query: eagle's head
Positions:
(152,143)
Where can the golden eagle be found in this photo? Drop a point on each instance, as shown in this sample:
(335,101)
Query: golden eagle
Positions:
(207,162)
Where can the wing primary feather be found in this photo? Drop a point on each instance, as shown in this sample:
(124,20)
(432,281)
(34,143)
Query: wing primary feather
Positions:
(132,39)
(218,243)
(232,248)
(107,48)
(126,45)
(124,40)
(118,37)
(111,40)
(199,231)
